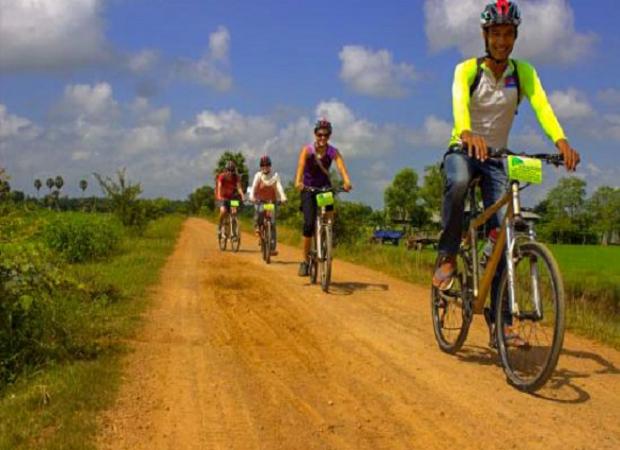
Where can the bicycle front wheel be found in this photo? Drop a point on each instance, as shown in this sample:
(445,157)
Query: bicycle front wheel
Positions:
(326,260)
(267,242)
(451,309)
(235,238)
(530,338)
(221,235)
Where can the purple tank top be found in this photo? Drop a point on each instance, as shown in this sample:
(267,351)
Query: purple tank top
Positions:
(313,175)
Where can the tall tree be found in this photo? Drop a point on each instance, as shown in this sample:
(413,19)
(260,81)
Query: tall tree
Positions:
(83,185)
(50,184)
(38,185)
(432,189)
(401,197)
(565,210)
(59,182)
(604,207)
(242,168)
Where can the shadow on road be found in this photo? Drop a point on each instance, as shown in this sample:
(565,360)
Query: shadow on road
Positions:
(562,386)
(348,288)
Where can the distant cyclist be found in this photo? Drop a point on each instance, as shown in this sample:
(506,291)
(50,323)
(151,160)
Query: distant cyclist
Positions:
(227,188)
(485,96)
(313,171)
(266,187)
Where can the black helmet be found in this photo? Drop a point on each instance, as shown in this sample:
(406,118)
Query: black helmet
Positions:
(265,161)
(324,125)
(231,166)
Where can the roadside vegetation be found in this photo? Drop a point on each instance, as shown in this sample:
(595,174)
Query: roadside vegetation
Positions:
(72,288)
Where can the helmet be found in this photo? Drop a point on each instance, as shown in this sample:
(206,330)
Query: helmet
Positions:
(500,12)
(265,161)
(323,124)
(231,166)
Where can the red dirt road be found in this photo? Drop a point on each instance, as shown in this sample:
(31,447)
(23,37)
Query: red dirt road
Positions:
(237,354)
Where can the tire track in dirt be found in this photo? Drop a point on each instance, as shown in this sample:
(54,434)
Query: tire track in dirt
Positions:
(238,354)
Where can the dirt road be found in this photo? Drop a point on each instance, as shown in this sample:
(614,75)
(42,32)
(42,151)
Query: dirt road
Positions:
(237,354)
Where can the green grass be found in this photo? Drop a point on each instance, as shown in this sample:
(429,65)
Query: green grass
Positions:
(56,406)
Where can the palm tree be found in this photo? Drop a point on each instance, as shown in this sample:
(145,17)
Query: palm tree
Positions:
(50,185)
(59,182)
(38,185)
(83,186)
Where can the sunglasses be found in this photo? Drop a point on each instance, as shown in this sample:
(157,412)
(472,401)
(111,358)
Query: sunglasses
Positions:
(322,135)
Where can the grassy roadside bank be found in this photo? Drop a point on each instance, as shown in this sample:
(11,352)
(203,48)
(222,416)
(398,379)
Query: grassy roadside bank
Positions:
(55,407)
(590,276)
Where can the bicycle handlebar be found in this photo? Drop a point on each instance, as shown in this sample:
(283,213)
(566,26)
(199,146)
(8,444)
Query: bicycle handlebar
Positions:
(550,158)
(324,189)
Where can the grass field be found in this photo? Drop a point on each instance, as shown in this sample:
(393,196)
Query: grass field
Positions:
(56,406)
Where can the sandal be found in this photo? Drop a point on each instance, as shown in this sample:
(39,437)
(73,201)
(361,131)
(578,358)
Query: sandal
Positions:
(443,280)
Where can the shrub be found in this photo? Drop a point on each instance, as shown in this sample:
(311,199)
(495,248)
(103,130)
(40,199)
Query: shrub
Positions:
(31,328)
(82,237)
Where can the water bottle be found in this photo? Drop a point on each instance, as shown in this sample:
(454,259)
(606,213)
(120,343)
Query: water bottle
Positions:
(488,247)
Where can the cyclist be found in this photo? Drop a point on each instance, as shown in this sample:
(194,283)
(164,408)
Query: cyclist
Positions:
(313,171)
(266,187)
(485,97)
(227,188)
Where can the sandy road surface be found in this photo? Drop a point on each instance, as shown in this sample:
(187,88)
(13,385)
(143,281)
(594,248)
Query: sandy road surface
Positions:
(237,354)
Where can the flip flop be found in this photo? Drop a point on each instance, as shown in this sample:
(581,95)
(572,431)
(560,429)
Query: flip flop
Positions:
(442,280)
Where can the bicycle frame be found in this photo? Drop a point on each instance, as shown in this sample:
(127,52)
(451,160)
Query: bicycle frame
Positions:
(322,219)
(506,239)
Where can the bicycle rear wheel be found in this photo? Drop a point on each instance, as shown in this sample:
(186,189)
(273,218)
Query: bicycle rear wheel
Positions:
(451,309)
(529,366)
(267,241)
(326,260)
(235,239)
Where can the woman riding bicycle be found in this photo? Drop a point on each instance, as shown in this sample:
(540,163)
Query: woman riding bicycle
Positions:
(313,171)
(227,188)
(266,188)
(486,93)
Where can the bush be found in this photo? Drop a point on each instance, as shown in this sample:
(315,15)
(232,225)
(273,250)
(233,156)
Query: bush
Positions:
(31,323)
(82,237)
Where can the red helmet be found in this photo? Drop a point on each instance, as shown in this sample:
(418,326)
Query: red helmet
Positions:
(500,12)
(323,124)
(265,161)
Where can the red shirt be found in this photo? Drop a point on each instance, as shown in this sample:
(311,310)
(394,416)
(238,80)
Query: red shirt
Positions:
(228,186)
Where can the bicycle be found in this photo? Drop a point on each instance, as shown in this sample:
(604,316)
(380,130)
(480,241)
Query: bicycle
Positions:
(322,241)
(229,228)
(266,231)
(531,291)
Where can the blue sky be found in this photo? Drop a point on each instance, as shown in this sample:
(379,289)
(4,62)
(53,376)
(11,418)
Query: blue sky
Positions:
(164,87)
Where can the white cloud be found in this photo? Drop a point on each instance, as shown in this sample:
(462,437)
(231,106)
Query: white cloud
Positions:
(547,32)
(52,34)
(570,104)
(610,96)
(83,100)
(612,127)
(147,138)
(14,126)
(374,73)
(435,133)
(213,68)
(142,61)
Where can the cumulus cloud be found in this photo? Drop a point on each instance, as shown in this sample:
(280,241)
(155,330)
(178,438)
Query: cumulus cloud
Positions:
(455,23)
(212,69)
(14,126)
(435,133)
(50,34)
(610,96)
(142,61)
(94,102)
(570,104)
(374,73)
